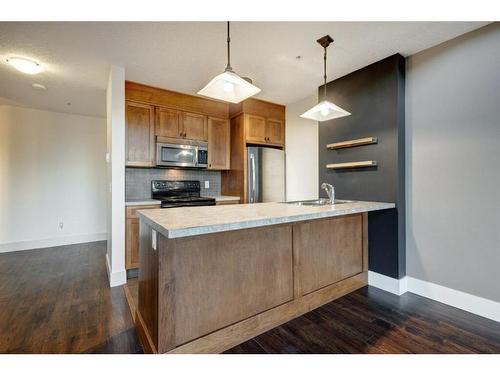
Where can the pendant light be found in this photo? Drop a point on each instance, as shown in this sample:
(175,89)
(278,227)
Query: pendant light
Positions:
(325,110)
(229,86)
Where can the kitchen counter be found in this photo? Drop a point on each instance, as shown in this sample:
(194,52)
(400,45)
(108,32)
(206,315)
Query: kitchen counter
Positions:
(192,221)
(214,276)
(223,198)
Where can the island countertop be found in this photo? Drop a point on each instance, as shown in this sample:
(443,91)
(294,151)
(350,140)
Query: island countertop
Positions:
(193,221)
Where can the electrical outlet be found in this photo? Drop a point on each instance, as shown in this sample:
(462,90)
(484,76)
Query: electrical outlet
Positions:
(153,239)
(207,184)
(61,225)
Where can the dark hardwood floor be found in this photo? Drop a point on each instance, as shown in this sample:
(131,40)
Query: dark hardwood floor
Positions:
(58,300)
(371,320)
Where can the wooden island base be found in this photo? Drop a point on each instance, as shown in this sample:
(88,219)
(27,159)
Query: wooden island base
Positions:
(208,293)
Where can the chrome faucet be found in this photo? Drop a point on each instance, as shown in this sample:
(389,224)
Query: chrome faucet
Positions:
(330,191)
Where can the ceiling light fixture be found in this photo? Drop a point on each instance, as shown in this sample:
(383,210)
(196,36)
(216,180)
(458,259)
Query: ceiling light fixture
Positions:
(25,65)
(229,86)
(325,110)
(39,86)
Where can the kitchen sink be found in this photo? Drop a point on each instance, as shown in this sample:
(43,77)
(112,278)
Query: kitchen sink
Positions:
(319,202)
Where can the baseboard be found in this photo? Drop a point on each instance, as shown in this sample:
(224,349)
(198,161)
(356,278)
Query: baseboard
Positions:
(387,283)
(461,300)
(116,278)
(51,242)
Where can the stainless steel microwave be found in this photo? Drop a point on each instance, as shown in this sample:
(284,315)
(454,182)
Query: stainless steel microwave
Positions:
(188,154)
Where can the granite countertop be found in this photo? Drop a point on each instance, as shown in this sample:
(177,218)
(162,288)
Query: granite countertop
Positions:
(192,221)
(223,198)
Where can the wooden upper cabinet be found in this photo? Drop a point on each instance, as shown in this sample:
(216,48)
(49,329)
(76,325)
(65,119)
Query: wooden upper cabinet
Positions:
(194,126)
(219,152)
(139,135)
(275,131)
(255,129)
(168,123)
(266,131)
(264,121)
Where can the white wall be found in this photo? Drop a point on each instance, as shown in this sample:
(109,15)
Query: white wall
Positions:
(52,170)
(453,164)
(301,151)
(115,213)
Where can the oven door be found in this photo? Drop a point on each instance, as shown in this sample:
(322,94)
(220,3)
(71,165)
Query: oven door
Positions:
(175,155)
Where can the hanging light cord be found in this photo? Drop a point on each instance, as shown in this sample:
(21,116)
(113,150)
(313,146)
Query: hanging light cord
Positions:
(324,71)
(228,66)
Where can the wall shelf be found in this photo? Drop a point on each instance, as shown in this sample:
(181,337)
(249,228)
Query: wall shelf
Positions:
(353,164)
(352,143)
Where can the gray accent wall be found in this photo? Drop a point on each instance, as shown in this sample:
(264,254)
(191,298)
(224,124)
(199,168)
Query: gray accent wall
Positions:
(138,180)
(453,163)
(375,97)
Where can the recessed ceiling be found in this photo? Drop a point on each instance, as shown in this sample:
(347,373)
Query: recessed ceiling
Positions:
(184,56)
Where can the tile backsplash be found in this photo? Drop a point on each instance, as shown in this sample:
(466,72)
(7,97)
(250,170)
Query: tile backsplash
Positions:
(138,180)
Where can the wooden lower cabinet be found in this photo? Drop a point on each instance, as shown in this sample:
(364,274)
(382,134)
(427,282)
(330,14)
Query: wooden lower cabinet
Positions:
(132,244)
(328,251)
(208,293)
(132,235)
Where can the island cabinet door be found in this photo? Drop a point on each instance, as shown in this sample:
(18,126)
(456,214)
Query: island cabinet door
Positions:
(212,281)
(327,251)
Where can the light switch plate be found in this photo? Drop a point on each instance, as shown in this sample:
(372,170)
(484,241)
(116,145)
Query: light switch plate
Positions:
(153,239)
(207,184)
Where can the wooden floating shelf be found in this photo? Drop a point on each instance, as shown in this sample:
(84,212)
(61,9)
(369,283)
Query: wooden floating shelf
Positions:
(354,164)
(352,143)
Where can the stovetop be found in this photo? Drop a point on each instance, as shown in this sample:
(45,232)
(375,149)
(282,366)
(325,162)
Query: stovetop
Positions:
(179,193)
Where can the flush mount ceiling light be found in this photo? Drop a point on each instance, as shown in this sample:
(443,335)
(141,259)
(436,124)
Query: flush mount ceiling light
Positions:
(39,86)
(25,65)
(325,110)
(229,86)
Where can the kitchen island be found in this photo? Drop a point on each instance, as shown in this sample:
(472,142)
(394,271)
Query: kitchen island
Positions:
(213,277)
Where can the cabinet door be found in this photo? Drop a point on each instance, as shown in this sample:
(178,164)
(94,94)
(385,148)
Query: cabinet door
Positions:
(140,135)
(255,129)
(132,244)
(194,126)
(275,131)
(168,123)
(218,143)
(327,251)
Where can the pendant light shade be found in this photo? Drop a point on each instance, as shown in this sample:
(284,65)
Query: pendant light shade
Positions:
(229,86)
(325,110)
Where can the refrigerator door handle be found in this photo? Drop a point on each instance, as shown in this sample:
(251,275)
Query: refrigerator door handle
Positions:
(252,173)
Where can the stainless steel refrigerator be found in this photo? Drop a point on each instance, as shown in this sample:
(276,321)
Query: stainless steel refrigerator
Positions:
(266,175)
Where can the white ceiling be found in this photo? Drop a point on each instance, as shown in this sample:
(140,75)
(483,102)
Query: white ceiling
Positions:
(184,56)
